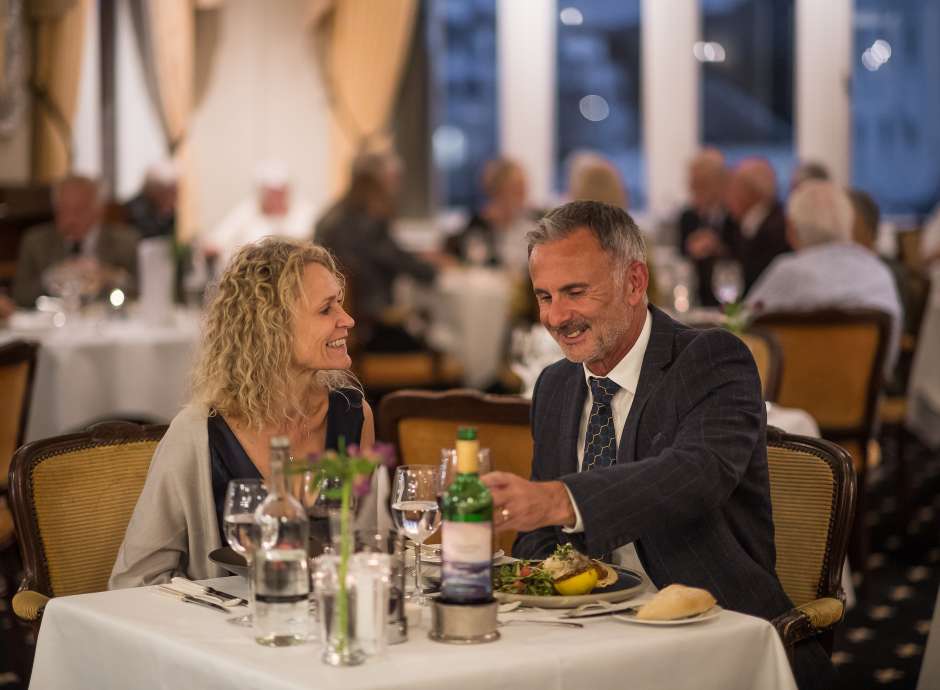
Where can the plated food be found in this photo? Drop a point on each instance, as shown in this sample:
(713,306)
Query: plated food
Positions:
(565,579)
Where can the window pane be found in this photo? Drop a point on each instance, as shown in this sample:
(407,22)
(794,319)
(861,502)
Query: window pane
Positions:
(896,103)
(462,40)
(746,53)
(599,88)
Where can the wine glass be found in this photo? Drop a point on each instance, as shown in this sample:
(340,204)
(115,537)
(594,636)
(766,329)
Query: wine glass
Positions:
(449,466)
(242,497)
(415,510)
(727,281)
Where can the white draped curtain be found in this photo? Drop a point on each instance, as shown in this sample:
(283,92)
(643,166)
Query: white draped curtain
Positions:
(362,46)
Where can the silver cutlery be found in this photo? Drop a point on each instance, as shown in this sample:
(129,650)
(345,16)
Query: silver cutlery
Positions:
(198,589)
(536,621)
(191,599)
(579,613)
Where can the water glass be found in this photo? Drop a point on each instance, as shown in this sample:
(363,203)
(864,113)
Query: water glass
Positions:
(392,545)
(242,497)
(416,511)
(371,574)
(338,618)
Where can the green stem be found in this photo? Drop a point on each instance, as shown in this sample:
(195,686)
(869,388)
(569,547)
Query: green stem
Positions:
(343,599)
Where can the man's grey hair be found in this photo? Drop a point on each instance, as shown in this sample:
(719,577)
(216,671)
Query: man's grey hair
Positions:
(615,230)
(820,212)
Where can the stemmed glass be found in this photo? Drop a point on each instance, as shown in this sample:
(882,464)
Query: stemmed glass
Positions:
(449,466)
(727,281)
(242,497)
(415,510)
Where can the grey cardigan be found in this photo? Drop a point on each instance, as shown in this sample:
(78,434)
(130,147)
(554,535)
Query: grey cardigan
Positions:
(174,525)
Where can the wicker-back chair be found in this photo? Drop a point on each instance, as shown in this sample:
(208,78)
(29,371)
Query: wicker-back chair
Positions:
(420,423)
(769,359)
(72,498)
(812,490)
(835,362)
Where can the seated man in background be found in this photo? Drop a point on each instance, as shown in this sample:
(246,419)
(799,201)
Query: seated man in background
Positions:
(828,269)
(357,229)
(78,236)
(706,229)
(650,437)
(495,234)
(751,199)
(273,210)
(153,210)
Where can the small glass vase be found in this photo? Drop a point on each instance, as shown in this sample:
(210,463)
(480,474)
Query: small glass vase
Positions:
(337,609)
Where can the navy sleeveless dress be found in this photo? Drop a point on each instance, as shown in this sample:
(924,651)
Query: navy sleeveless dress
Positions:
(228,460)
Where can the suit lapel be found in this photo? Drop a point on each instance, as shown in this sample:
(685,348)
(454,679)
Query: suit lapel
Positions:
(657,358)
(572,405)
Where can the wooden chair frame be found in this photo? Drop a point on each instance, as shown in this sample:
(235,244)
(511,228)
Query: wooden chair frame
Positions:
(32,455)
(460,404)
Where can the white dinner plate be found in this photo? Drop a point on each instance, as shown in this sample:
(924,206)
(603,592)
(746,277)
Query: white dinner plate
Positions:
(713,612)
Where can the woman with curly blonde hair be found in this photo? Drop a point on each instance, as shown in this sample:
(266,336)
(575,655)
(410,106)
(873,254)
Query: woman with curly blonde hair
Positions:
(273,362)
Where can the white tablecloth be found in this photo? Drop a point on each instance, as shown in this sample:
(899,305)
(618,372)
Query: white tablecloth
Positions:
(471,320)
(98,367)
(930,666)
(141,639)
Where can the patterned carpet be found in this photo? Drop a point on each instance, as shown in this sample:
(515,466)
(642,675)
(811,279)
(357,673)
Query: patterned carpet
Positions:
(879,645)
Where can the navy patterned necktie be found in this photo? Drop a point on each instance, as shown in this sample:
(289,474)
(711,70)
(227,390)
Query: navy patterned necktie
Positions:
(600,442)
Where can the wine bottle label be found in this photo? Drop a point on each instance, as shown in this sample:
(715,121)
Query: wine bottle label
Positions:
(467,561)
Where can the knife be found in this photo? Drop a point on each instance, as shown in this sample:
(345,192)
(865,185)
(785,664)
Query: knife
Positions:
(190,599)
(602,612)
(196,588)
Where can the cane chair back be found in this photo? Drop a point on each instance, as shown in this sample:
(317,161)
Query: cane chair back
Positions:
(72,498)
(420,423)
(812,491)
(769,359)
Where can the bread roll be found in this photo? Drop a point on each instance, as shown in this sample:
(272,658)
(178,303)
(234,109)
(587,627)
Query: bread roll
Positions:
(676,601)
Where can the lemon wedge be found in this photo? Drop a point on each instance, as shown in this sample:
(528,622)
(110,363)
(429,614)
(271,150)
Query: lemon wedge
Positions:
(582,583)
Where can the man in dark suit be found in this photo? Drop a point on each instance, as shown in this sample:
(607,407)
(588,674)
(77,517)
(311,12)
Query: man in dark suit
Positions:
(706,229)
(77,232)
(762,226)
(664,465)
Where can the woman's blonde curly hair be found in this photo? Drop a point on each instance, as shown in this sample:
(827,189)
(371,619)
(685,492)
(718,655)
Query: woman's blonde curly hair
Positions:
(245,370)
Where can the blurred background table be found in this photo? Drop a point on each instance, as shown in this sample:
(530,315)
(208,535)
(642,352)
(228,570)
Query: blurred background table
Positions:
(470,310)
(96,367)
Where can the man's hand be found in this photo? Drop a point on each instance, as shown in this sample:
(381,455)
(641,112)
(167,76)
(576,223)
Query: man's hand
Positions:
(521,505)
(703,243)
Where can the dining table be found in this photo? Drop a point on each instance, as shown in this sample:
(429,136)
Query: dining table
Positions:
(104,364)
(144,639)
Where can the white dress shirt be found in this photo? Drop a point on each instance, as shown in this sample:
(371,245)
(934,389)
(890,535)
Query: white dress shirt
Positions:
(753,219)
(625,374)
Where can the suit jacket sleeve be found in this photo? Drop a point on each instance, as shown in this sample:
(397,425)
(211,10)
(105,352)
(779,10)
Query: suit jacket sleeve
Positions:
(720,413)
(541,543)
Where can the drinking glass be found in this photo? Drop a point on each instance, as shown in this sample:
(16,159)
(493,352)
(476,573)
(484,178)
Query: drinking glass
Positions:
(242,497)
(449,465)
(727,281)
(415,510)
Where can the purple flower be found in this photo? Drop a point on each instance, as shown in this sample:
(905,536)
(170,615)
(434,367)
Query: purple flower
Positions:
(384,454)
(362,483)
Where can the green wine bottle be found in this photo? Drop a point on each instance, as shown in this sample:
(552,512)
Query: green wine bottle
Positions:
(467,532)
